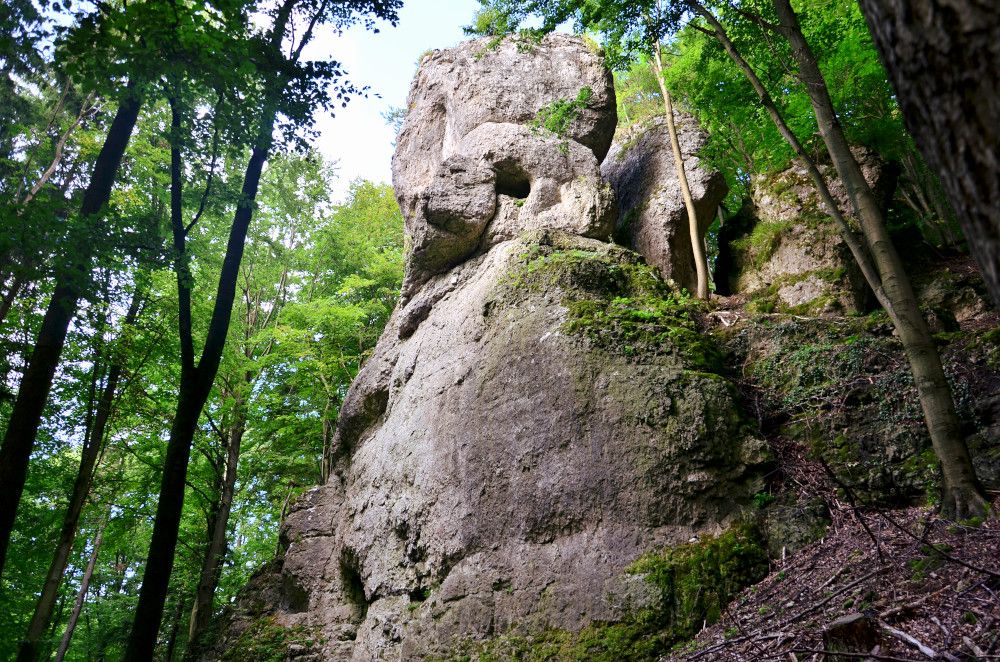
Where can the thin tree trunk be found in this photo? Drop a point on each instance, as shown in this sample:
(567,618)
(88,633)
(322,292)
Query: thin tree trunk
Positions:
(201,612)
(175,629)
(196,383)
(10,296)
(22,427)
(961,494)
(943,59)
(694,227)
(60,146)
(81,595)
(853,242)
(60,104)
(92,445)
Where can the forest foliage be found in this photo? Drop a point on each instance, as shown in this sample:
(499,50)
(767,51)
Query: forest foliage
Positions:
(318,277)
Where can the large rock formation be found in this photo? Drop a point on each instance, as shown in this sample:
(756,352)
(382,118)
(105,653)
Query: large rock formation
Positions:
(539,411)
(652,217)
(787,254)
(470,172)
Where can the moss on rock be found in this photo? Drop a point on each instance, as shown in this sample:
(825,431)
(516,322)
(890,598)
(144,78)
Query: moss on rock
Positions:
(266,640)
(694,582)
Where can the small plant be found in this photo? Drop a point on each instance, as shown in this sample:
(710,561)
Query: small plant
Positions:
(557,116)
(762,499)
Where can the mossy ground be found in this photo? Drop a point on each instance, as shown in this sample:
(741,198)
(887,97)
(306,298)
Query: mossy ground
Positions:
(265,640)
(694,581)
(618,303)
(842,388)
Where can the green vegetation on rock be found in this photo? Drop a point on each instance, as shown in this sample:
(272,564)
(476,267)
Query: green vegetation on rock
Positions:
(266,640)
(694,583)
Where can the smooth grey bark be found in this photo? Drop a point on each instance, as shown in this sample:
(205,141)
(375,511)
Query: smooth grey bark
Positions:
(961,494)
(943,59)
(694,227)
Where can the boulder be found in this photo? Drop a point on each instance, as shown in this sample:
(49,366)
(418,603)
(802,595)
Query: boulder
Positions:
(499,468)
(466,154)
(539,412)
(787,254)
(652,217)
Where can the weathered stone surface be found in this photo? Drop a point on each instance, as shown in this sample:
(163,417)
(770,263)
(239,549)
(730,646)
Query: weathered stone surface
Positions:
(497,471)
(854,635)
(495,467)
(466,155)
(652,217)
(790,255)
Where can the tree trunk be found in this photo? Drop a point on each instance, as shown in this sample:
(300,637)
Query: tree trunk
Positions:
(694,227)
(943,59)
(92,445)
(175,629)
(26,415)
(201,612)
(854,244)
(961,495)
(85,108)
(81,595)
(196,383)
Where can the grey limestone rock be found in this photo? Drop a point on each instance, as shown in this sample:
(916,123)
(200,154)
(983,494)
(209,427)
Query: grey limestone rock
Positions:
(652,217)
(467,164)
(498,472)
(495,468)
(790,254)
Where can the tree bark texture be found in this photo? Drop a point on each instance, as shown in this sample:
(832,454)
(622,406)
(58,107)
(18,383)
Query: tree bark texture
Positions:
(26,416)
(943,59)
(961,494)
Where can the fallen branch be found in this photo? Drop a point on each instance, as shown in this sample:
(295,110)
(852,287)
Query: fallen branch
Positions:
(913,641)
(862,656)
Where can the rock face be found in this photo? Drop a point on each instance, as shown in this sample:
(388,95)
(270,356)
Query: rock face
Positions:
(652,217)
(535,416)
(787,254)
(469,172)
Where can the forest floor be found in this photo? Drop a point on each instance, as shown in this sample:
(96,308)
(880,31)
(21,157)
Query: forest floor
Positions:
(919,587)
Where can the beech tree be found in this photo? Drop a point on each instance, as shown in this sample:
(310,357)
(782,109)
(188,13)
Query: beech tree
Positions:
(290,88)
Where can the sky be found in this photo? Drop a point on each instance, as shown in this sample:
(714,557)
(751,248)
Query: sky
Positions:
(357,137)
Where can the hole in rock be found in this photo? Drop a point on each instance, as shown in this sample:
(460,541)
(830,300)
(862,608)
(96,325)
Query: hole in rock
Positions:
(512,180)
(354,586)
(419,594)
(295,599)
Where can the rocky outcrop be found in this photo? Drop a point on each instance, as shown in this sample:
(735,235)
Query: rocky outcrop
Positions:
(469,171)
(652,218)
(787,254)
(539,412)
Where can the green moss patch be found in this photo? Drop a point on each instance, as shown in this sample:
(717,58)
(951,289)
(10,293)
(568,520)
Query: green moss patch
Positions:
(615,301)
(642,326)
(842,388)
(695,582)
(762,241)
(265,640)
